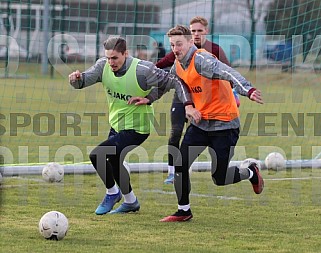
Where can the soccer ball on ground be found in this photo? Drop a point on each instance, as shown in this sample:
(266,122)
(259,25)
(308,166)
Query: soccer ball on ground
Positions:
(53,172)
(275,161)
(53,225)
(246,163)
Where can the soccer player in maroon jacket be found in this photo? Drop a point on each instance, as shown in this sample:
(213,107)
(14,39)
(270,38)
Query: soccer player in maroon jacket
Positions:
(199,29)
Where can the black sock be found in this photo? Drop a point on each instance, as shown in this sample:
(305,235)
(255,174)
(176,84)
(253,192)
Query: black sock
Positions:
(254,179)
(183,213)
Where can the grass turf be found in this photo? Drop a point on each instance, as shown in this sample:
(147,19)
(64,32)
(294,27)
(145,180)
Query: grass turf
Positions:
(44,119)
(284,218)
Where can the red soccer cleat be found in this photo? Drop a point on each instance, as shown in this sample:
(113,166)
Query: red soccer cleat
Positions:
(257,180)
(179,216)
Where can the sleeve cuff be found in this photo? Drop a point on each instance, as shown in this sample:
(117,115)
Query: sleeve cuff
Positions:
(250,92)
(150,99)
(189,103)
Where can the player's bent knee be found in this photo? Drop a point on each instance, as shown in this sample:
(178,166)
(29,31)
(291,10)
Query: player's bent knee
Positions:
(174,140)
(92,157)
(218,181)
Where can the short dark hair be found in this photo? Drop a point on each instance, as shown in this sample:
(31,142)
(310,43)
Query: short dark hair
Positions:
(180,30)
(116,43)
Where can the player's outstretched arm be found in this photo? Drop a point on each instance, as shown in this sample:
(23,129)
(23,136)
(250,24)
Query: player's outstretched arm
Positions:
(75,79)
(89,77)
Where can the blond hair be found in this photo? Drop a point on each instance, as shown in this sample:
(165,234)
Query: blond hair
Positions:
(199,19)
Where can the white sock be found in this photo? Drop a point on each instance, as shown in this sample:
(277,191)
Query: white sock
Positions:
(129,198)
(112,190)
(184,207)
(171,169)
(251,173)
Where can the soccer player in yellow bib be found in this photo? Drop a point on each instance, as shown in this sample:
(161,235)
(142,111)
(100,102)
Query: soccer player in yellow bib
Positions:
(124,77)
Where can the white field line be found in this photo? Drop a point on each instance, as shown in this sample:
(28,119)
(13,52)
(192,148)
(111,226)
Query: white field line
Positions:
(153,191)
(41,182)
(158,191)
(28,179)
(291,178)
(265,179)
(195,195)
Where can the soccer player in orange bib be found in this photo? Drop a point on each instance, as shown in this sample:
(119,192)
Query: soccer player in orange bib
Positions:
(209,82)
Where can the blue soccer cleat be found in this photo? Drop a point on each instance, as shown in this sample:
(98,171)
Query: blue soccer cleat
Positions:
(108,203)
(127,208)
(169,179)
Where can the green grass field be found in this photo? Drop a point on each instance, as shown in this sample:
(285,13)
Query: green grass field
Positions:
(286,217)
(44,119)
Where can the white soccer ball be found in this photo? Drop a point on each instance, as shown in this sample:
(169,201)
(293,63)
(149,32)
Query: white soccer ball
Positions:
(53,225)
(53,172)
(275,161)
(246,163)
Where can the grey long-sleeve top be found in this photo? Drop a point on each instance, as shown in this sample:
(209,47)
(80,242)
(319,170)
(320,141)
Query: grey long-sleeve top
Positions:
(148,76)
(211,68)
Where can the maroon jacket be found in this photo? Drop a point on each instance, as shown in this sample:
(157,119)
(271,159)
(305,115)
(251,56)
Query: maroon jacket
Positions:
(209,46)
